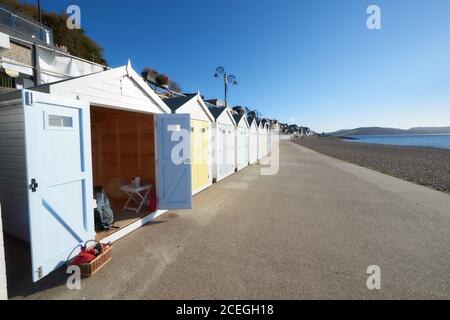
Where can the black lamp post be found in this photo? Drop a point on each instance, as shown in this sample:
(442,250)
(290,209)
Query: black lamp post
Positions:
(39,11)
(227,80)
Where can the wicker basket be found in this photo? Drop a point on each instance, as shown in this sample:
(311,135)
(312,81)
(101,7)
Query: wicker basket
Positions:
(91,268)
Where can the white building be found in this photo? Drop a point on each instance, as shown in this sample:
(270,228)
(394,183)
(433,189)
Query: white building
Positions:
(61,139)
(223,133)
(241,155)
(253,141)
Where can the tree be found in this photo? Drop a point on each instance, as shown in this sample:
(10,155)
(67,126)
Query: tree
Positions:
(173,86)
(254,114)
(149,74)
(162,80)
(76,41)
(240,110)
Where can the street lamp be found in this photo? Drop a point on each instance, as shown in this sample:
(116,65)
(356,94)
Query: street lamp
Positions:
(39,12)
(227,80)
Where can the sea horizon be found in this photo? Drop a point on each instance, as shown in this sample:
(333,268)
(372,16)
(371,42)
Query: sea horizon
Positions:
(438,141)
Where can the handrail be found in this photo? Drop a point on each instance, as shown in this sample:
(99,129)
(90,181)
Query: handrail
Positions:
(25,25)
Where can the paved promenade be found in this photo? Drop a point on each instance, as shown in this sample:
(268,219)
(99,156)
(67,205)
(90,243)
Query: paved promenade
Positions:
(309,232)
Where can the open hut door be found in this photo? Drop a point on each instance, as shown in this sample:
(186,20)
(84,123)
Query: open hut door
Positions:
(58,149)
(174,177)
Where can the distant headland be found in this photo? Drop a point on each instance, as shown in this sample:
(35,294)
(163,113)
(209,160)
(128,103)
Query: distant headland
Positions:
(366,131)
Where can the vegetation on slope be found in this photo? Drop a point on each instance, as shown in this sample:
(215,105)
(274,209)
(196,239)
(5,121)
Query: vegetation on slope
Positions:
(76,41)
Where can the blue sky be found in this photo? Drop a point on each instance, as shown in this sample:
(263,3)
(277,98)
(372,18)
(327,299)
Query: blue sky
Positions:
(310,62)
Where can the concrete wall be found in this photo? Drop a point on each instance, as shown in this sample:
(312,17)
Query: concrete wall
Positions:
(3,293)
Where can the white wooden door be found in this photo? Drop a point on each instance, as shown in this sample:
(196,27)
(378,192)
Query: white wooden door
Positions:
(174,163)
(253,146)
(221,152)
(58,148)
(228,150)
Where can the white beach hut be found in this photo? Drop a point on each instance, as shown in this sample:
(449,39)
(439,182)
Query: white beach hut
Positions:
(273,134)
(223,134)
(253,140)
(201,136)
(241,148)
(62,138)
(262,143)
(267,132)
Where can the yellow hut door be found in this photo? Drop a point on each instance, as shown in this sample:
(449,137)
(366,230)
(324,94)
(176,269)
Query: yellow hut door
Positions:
(195,145)
(203,165)
(200,154)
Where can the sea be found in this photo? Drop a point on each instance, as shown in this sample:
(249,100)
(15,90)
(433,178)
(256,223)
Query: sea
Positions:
(428,141)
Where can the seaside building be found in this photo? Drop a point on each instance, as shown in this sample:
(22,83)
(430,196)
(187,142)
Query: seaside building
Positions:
(75,124)
(29,57)
(241,142)
(223,133)
(201,137)
(253,140)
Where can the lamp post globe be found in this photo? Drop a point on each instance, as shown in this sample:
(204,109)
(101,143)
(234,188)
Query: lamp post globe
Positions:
(227,80)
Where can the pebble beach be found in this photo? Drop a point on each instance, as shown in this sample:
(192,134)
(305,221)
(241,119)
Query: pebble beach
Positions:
(425,166)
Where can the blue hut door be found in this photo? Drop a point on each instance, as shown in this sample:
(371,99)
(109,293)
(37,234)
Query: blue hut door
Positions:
(58,149)
(174,171)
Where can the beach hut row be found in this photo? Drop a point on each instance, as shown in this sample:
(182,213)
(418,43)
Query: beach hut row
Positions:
(59,140)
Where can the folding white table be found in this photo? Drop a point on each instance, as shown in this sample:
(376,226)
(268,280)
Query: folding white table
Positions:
(137,195)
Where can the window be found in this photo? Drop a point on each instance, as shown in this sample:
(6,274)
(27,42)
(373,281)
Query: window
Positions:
(60,121)
(174,128)
(6,81)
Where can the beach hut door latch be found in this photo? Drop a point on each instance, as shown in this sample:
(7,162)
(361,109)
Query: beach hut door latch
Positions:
(39,272)
(34,185)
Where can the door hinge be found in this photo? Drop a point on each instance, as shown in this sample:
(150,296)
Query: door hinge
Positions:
(34,185)
(29,98)
(39,272)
